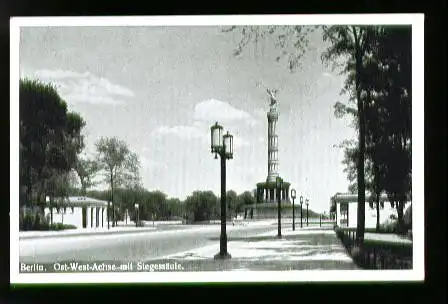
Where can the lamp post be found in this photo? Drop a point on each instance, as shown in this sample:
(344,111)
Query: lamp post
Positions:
(222,145)
(137,215)
(293,196)
(301,212)
(279,184)
(307,212)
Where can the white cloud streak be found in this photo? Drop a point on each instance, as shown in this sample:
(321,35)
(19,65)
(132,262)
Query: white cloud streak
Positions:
(84,87)
(205,114)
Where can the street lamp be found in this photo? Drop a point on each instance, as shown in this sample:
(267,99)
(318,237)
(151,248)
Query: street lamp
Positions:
(137,215)
(301,212)
(293,196)
(279,184)
(307,212)
(222,145)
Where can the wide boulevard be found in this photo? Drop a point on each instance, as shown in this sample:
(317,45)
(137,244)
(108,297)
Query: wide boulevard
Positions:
(138,246)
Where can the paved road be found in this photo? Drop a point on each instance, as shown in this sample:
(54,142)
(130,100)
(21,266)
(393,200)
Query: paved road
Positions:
(129,246)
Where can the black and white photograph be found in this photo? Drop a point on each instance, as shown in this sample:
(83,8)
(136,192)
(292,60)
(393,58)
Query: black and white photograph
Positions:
(258,148)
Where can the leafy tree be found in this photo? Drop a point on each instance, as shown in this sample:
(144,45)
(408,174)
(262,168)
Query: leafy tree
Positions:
(120,165)
(86,170)
(176,209)
(202,205)
(246,199)
(394,55)
(352,45)
(231,203)
(50,137)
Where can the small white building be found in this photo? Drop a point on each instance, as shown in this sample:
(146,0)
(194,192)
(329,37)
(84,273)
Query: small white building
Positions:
(80,211)
(347,210)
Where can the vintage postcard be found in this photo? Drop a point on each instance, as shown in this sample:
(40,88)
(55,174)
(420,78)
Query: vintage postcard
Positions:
(262,148)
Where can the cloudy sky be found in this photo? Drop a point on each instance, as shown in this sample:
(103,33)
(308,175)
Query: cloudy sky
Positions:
(160,89)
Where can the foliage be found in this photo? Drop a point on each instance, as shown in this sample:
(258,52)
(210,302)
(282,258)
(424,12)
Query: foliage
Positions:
(60,226)
(291,40)
(202,205)
(50,138)
(32,219)
(379,80)
(86,169)
(119,165)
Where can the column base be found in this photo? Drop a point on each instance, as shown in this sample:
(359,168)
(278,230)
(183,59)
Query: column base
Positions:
(222,256)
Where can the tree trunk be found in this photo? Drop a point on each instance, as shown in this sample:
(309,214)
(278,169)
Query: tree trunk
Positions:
(400,207)
(112,197)
(378,212)
(360,228)
(29,193)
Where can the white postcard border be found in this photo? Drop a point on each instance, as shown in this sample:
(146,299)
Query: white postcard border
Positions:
(416,274)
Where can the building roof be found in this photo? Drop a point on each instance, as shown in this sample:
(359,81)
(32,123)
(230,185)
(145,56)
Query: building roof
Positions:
(82,201)
(353,198)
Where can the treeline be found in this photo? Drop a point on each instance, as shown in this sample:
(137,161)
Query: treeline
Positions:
(156,205)
(379,83)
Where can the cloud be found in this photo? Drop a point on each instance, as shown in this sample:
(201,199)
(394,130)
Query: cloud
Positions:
(184,132)
(84,87)
(326,74)
(214,110)
(148,163)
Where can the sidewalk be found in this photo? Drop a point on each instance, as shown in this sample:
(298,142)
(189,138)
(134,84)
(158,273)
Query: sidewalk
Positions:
(122,228)
(303,249)
(81,232)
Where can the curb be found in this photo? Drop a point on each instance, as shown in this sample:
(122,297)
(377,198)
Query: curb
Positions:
(26,237)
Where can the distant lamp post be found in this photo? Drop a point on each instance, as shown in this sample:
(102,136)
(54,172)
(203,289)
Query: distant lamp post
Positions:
(137,215)
(222,145)
(307,212)
(293,196)
(118,215)
(301,212)
(279,184)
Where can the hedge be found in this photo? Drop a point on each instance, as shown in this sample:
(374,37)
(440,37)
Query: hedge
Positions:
(376,254)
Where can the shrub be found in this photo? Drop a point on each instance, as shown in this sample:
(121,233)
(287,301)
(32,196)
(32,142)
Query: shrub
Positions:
(60,226)
(32,219)
(407,218)
(389,226)
(377,254)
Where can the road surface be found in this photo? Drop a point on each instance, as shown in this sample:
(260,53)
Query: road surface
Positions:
(130,246)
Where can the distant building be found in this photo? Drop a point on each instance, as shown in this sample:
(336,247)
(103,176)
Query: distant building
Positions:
(347,210)
(80,211)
